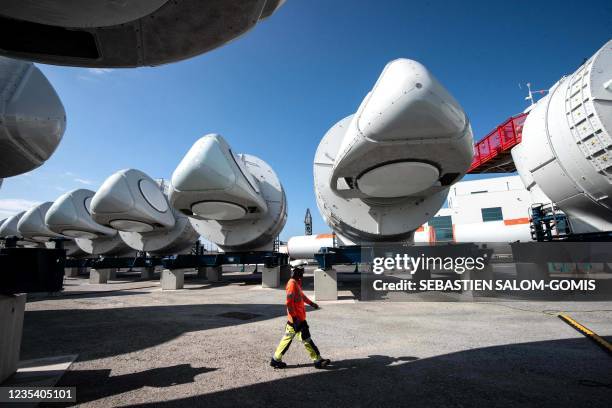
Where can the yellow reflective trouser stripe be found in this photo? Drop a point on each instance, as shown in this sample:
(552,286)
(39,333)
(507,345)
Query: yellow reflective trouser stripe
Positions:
(285,342)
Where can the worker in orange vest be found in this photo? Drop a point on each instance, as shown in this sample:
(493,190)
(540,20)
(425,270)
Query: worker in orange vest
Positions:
(296,324)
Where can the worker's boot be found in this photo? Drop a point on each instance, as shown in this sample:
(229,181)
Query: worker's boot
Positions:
(277,364)
(322,363)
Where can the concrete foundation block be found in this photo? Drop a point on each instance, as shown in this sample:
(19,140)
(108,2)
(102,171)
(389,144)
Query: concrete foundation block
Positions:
(173,279)
(11,329)
(71,272)
(147,272)
(325,284)
(270,277)
(212,273)
(363,267)
(99,275)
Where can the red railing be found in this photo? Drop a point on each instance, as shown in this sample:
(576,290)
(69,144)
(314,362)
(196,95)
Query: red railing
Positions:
(503,138)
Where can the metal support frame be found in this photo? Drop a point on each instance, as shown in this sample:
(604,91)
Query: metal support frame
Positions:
(138,262)
(269,259)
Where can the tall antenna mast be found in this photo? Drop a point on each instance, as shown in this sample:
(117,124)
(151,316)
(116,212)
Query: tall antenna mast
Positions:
(308,223)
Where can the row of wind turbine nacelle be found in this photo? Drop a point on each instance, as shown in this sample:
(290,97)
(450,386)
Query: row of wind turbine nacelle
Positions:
(233,200)
(30,230)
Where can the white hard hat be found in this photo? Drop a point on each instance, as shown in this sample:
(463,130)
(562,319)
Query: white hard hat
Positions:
(298,263)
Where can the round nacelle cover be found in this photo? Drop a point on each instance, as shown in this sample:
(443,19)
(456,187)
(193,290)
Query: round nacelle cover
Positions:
(218,210)
(153,195)
(79,234)
(131,226)
(398,179)
(32,117)
(367,220)
(131,201)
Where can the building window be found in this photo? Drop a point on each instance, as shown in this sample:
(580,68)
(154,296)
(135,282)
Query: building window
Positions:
(492,214)
(443,227)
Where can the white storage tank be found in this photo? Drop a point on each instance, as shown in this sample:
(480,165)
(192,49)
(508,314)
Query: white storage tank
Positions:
(305,246)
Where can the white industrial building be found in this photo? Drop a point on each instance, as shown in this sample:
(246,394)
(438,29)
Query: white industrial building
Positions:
(485,210)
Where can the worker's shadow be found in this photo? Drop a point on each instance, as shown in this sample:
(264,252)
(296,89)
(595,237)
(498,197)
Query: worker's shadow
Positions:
(96,384)
(359,363)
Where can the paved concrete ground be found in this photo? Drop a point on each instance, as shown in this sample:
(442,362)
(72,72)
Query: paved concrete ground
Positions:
(138,345)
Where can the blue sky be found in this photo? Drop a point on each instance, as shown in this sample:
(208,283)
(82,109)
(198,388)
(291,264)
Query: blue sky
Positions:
(276,91)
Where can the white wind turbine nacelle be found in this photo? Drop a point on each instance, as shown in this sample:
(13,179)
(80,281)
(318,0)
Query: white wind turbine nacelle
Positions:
(133,203)
(233,200)
(124,33)
(384,171)
(566,147)
(32,227)
(8,229)
(70,215)
(32,118)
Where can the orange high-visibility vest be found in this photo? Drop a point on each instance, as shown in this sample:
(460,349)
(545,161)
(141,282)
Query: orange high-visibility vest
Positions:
(295,301)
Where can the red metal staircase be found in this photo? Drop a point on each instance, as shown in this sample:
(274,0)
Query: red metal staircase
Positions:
(492,152)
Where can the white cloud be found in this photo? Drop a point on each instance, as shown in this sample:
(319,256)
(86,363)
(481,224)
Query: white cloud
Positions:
(85,181)
(12,206)
(99,71)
